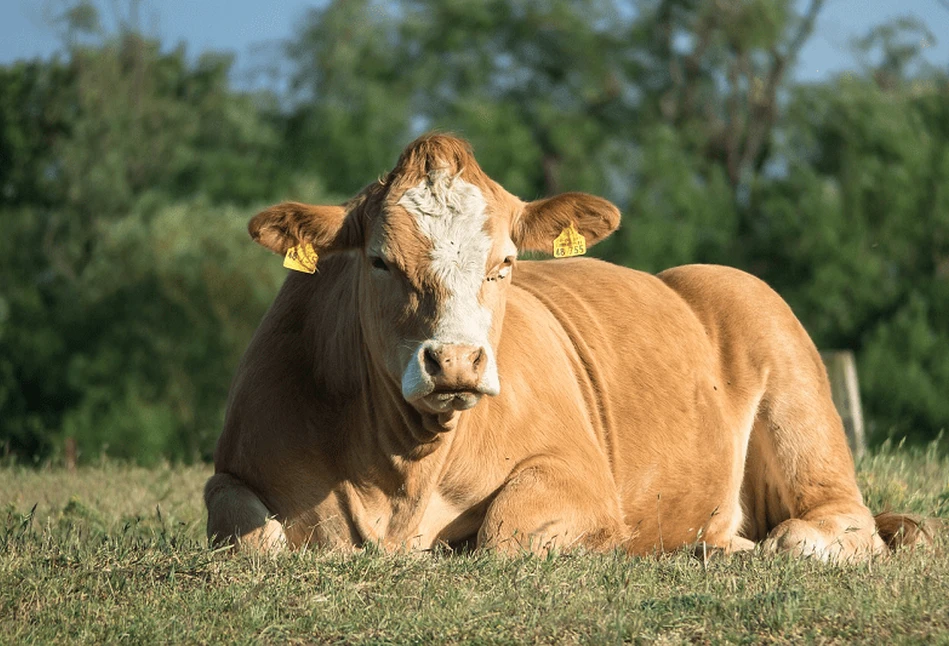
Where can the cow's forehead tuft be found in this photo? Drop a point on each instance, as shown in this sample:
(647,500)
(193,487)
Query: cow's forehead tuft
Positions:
(434,153)
(443,194)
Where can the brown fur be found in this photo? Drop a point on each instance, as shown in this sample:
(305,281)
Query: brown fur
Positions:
(636,411)
(289,223)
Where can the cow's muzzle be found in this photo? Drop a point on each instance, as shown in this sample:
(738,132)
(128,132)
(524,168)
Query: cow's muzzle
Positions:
(450,376)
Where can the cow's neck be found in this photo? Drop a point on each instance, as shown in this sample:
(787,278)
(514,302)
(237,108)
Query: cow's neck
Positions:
(399,432)
(398,457)
(395,456)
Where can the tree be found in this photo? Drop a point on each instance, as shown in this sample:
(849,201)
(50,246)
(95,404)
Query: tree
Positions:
(350,91)
(102,336)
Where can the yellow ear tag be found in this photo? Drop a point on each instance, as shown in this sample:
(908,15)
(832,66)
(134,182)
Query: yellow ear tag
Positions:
(301,258)
(570,242)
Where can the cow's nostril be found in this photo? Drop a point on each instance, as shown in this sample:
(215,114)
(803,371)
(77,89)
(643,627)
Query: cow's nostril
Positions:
(477,358)
(432,365)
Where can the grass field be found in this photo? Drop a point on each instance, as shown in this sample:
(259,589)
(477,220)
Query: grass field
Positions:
(115,553)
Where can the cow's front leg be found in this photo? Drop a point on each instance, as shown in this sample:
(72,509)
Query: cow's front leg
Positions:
(545,506)
(236,515)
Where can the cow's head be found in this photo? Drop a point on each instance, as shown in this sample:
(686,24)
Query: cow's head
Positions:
(437,241)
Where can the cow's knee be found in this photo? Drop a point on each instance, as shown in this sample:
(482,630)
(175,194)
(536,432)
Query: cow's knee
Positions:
(237,516)
(538,512)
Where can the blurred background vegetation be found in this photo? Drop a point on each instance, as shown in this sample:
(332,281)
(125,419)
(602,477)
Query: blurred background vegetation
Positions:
(128,171)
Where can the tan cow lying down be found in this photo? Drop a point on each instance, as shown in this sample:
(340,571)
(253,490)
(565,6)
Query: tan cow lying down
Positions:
(424,387)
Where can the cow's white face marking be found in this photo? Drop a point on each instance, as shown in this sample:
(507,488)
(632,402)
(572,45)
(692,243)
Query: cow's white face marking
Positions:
(451,214)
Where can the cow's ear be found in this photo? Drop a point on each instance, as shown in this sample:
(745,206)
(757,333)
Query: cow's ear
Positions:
(291,224)
(541,221)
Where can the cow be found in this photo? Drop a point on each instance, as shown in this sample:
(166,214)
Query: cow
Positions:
(424,387)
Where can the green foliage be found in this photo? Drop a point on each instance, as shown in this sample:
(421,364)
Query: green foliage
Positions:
(905,368)
(539,87)
(681,209)
(146,340)
(112,553)
(183,285)
(33,111)
(128,288)
(351,118)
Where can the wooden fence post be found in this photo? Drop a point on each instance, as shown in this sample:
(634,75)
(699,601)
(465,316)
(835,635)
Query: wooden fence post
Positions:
(842,370)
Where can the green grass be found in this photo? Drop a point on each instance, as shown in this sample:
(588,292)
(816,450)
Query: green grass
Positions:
(113,553)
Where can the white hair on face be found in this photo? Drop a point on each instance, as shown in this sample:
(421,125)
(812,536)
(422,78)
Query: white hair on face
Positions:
(451,213)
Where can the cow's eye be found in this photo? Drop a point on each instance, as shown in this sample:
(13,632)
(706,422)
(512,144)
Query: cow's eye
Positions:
(502,271)
(379,263)
(505,270)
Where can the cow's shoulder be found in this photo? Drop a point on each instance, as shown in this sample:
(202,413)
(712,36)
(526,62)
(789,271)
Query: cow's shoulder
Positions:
(298,371)
(310,333)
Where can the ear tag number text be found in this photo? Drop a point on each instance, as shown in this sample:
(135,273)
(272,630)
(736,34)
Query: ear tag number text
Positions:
(301,258)
(570,242)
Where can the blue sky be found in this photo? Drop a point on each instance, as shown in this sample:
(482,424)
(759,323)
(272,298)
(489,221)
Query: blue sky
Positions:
(252,29)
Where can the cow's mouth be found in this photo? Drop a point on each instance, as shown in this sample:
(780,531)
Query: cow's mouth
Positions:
(440,409)
(443,401)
